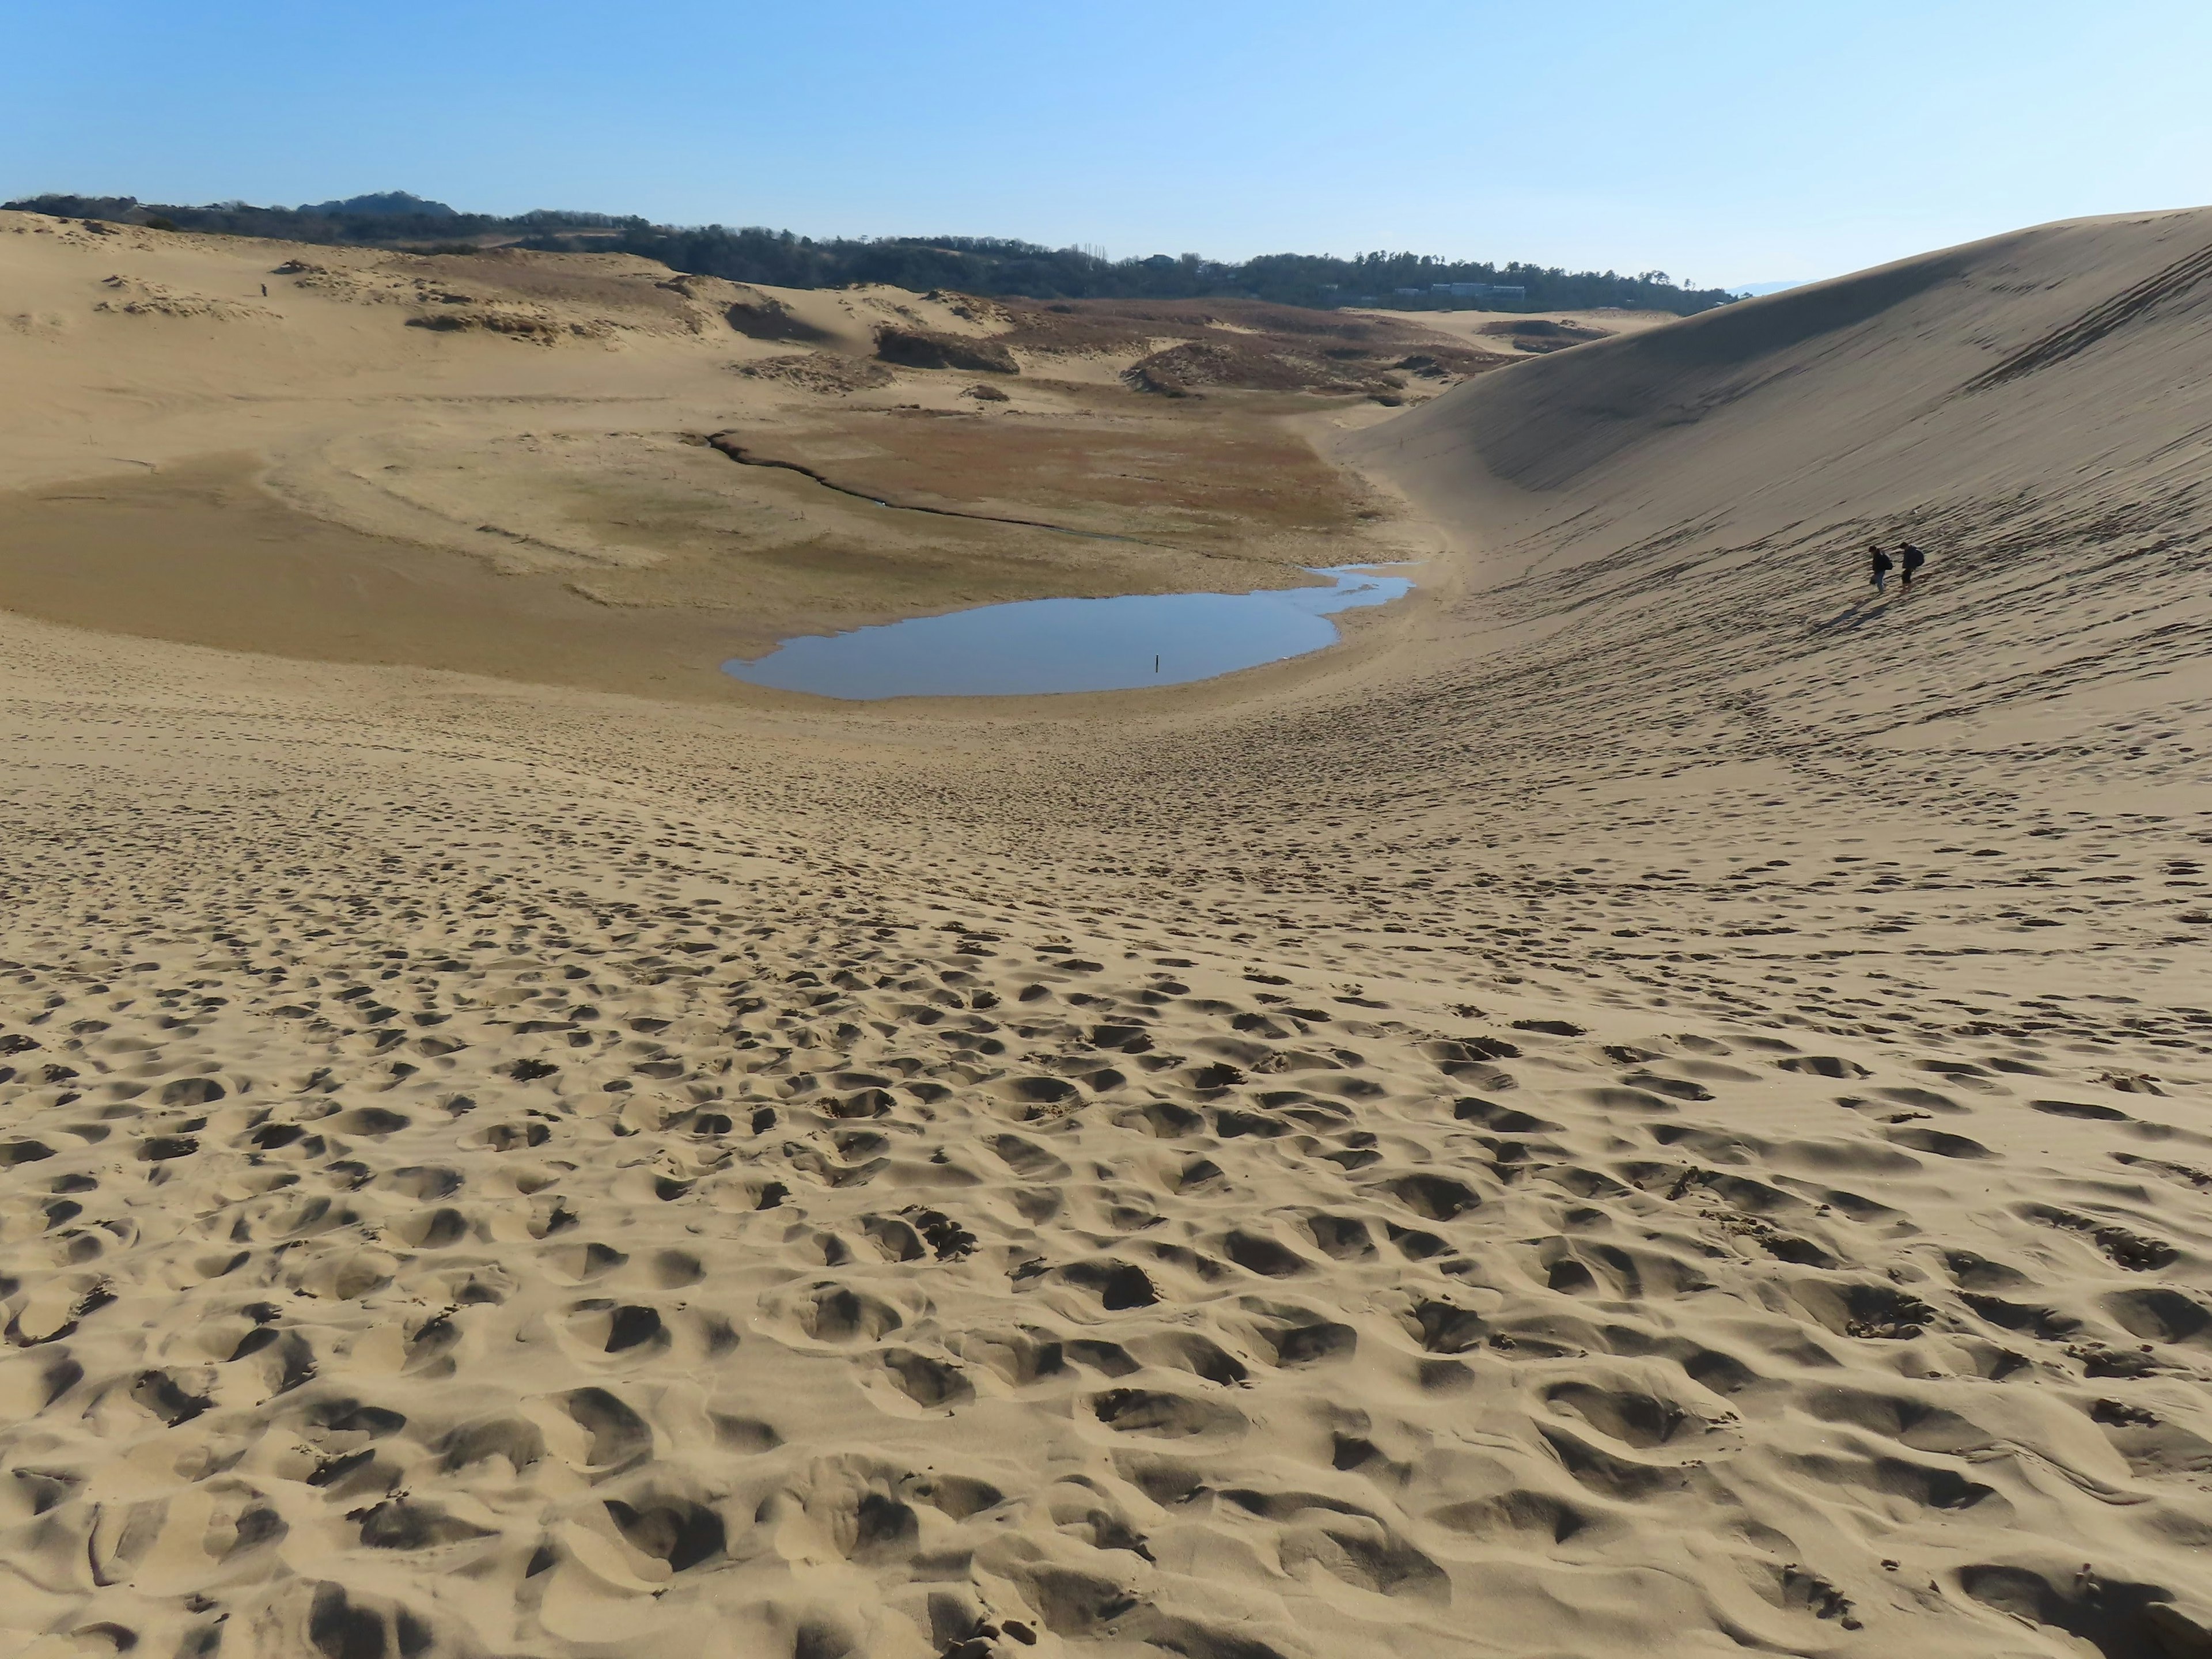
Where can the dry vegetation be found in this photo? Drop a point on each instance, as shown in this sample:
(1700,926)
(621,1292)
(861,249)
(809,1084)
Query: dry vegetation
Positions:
(1198,480)
(922,347)
(1540,334)
(818,372)
(536,419)
(1183,349)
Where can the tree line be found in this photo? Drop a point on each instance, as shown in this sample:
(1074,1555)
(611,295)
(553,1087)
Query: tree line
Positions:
(970,264)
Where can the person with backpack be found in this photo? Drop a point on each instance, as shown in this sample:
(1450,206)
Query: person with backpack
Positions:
(1879,570)
(1910,558)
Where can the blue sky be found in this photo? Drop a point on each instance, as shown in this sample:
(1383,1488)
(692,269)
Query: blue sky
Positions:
(1721,140)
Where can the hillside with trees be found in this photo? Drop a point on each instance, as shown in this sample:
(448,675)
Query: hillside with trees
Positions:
(971,264)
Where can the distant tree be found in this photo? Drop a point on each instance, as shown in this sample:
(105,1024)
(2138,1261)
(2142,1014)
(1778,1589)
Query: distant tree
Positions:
(974,264)
(396,203)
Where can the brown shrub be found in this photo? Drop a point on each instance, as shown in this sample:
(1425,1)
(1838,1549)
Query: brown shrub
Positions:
(767,319)
(921,347)
(1182,370)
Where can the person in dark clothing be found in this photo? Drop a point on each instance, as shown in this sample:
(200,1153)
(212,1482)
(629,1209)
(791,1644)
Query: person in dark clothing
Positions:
(1910,559)
(1879,569)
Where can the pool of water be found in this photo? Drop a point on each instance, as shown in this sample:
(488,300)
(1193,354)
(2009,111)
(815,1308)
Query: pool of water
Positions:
(1070,645)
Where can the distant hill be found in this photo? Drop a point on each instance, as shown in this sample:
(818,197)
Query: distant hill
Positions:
(398,203)
(971,264)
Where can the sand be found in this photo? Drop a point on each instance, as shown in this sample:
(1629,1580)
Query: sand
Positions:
(1652,1101)
(427,423)
(1491,331)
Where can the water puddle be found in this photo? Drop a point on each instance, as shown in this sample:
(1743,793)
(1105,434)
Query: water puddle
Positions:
(1036,645)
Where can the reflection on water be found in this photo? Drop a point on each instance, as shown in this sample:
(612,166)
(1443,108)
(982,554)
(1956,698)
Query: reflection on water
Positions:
(1070,645)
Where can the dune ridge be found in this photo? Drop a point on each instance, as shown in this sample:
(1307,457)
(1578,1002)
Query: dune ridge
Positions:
(1655,1100)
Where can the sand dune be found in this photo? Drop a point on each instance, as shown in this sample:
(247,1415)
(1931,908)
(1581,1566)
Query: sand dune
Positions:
(1653,1101)
(429,422)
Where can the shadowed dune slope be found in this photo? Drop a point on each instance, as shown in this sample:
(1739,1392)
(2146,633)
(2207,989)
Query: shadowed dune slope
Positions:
(1669,530)
(2053,377)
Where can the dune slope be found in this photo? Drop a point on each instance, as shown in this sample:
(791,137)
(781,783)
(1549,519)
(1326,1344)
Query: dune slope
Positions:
(1656,1101)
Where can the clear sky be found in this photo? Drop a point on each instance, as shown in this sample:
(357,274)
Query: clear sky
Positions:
(1724,141)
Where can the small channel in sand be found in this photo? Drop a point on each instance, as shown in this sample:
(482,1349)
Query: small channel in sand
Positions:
(1036,646)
